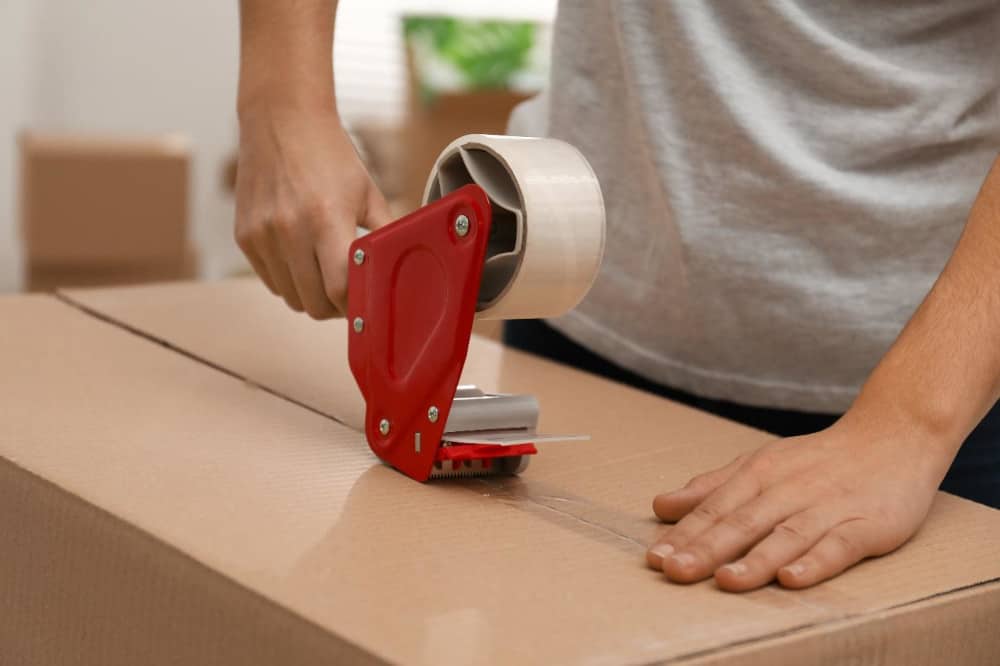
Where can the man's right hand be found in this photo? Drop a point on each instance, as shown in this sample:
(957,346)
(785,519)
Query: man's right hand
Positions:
(301,192)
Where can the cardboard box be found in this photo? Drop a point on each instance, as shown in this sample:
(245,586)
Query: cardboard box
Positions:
(180,482)
(464,76)
(104,209)
(43,277)
(432,125)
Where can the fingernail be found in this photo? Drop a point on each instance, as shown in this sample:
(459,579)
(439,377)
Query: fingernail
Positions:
(683,559)
(661,550)
(795,569)
(736,568)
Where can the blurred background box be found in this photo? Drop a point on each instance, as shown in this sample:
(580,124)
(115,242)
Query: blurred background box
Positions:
(434,124)
(60,72)
(465,76)
(49,277)
(100,210)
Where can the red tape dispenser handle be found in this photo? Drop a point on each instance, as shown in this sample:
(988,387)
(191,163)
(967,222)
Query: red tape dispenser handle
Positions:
(412,291)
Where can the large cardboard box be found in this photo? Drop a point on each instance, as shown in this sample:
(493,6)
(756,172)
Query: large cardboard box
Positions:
(104,210)
(182,481)
(433,124)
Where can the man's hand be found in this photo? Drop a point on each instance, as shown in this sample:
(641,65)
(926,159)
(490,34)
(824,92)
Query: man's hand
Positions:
(802,509)
(301,191)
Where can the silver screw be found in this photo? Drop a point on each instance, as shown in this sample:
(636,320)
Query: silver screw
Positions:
(432,414)
(359,324)
(383,427)
(359,256)
(461,225)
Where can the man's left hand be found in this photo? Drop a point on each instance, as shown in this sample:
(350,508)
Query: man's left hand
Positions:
(801,509)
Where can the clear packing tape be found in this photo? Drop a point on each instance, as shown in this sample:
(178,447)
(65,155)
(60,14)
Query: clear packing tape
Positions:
(547,237)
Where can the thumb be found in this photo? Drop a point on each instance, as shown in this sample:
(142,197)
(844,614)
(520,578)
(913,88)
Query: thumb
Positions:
(377,212)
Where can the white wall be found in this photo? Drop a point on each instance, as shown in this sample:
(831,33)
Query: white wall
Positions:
(155,66)
(143,66)
(16,18)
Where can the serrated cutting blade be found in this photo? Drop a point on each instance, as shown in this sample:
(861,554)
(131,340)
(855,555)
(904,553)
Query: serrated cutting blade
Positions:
(444,469)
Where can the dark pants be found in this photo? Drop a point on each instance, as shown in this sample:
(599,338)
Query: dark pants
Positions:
(975,474)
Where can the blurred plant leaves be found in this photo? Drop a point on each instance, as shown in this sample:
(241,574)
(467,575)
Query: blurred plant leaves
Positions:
(484,54)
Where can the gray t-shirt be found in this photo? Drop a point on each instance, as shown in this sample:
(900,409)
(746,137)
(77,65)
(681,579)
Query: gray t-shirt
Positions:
(784,180)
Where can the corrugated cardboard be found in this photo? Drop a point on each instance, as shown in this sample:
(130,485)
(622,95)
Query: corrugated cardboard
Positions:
(117,457)
(166,509)
(103,203)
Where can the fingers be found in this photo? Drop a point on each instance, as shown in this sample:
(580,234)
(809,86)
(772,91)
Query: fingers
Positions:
(673,506)
(801,550)
(377,211)
(739,490)
(333,246)
(308,281)
(245,242)
(331,253)
(307,268)
(732,535)
(303,271)
(842,547)
(268,249)
(293,238)
(789,540)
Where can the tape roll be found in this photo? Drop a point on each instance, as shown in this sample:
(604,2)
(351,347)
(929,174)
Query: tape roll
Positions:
(547,237)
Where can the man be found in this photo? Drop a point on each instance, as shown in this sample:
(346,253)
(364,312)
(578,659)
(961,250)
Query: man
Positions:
(785,183)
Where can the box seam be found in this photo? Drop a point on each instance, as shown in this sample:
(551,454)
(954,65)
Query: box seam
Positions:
(149,337)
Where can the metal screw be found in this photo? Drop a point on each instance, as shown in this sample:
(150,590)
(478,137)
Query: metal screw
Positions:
(432,414)
(461,225)
(383,426)
(359,256)
(359,324)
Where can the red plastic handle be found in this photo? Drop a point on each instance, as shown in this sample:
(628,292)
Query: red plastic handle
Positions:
(412,290)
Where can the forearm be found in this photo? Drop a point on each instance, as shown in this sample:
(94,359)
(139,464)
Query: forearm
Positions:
(286,55)
(943,372)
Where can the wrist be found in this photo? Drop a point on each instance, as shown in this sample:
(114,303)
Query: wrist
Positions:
(896,419)
(286,58)
(270,109)
(256,102)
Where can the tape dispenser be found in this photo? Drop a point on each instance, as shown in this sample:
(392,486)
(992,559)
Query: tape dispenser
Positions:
(511,227)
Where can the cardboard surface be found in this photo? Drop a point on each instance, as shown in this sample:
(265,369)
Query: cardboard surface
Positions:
(290,505)
(264,489)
